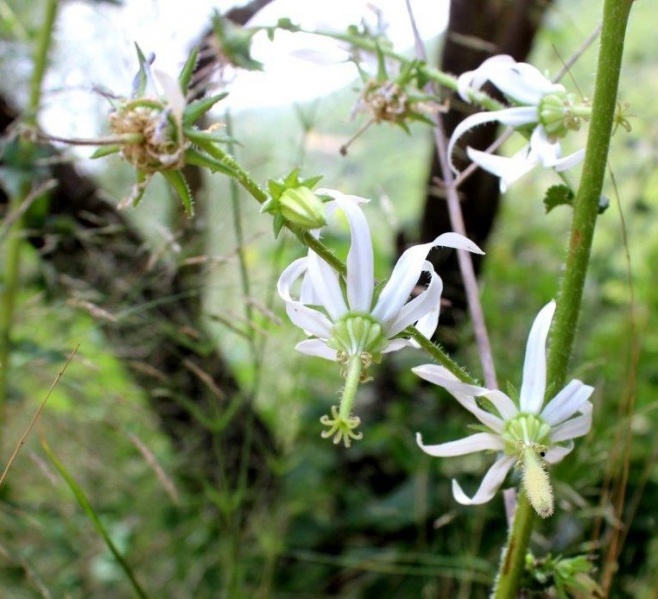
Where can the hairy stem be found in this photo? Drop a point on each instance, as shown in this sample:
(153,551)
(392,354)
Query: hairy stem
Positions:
(586,203)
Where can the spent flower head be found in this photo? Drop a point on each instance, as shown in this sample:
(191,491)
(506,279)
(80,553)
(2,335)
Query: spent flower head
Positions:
(541,109)
(351,323)
(529,434)
(154,129)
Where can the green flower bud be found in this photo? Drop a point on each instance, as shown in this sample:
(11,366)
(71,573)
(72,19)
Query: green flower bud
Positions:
(559,114)
(303,208)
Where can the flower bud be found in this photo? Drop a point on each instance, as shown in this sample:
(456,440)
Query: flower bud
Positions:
(303,208)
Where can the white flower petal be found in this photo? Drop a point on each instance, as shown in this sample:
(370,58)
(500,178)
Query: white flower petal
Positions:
(575,427)
(465,394)
(326,286)
(508,169)
(311,321)
(401,283)
(490,484)
(567,402)
(317,348)
(426,303)
(533,386)
(457,241)
(397,344)
(523,83)
(172,93)
(547,152)
(504,404)
(510,116)
(474,80)
(570,161)
(557,453)
(360,269)
(471,444)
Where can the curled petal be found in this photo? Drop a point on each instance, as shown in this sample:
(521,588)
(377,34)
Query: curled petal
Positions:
(491,482)
(570,161)
(397,344)
(403,279)
(515,117)
(424,306)
(457,241)
(317,348)
(533,386)
(471,444)
(173,94)
(575,427)
(465,394)
(524,83)
(477,78)
(567,402)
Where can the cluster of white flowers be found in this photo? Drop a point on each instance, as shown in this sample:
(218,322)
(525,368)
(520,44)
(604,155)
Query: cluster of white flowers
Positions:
(350,321)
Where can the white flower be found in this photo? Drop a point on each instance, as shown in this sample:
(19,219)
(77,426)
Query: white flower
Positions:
(352,321)
(529,434)
(538,103)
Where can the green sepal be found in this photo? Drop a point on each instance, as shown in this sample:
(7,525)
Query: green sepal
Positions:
(195,110)
(140,187)
(178,182)
(291,181)
(278,222)
(193,156)
(558,195)
(141,79)
(382,74)
(235,42)
(185,76)
(202,138)
(105,151)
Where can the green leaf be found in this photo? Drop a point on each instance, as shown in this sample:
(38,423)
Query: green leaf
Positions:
(105,151)
(178,182)
(558,195)
(193,156)
(93,517)
(187,71)
(195,110)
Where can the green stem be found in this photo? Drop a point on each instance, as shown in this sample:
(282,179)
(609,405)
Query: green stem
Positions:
(352,379)
(14,239)
(586,203)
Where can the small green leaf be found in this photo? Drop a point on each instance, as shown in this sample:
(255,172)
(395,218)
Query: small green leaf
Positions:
(195,110)
(187,71)
(557,195)
(178,182)
(141,79)
(193,156)
(105,151)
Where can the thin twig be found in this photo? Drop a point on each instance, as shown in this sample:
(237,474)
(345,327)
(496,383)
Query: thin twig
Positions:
(457,223)
(27,432)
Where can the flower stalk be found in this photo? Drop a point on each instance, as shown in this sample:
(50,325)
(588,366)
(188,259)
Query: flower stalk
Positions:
(585,206)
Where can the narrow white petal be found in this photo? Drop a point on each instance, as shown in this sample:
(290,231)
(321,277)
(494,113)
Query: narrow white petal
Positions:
(326,286)
(570,161)
(504,404)
(172,93)
(533,386)
(490,484)
(474,80)
(547,152)
(509,170)
(457,241)
(575,427)
(471,444)
(556,454)
(427,302)
(360,269)
(398,344)
(401,283)
(465,394)
(567,402)
(311,321)
(524,83)
(317,348)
